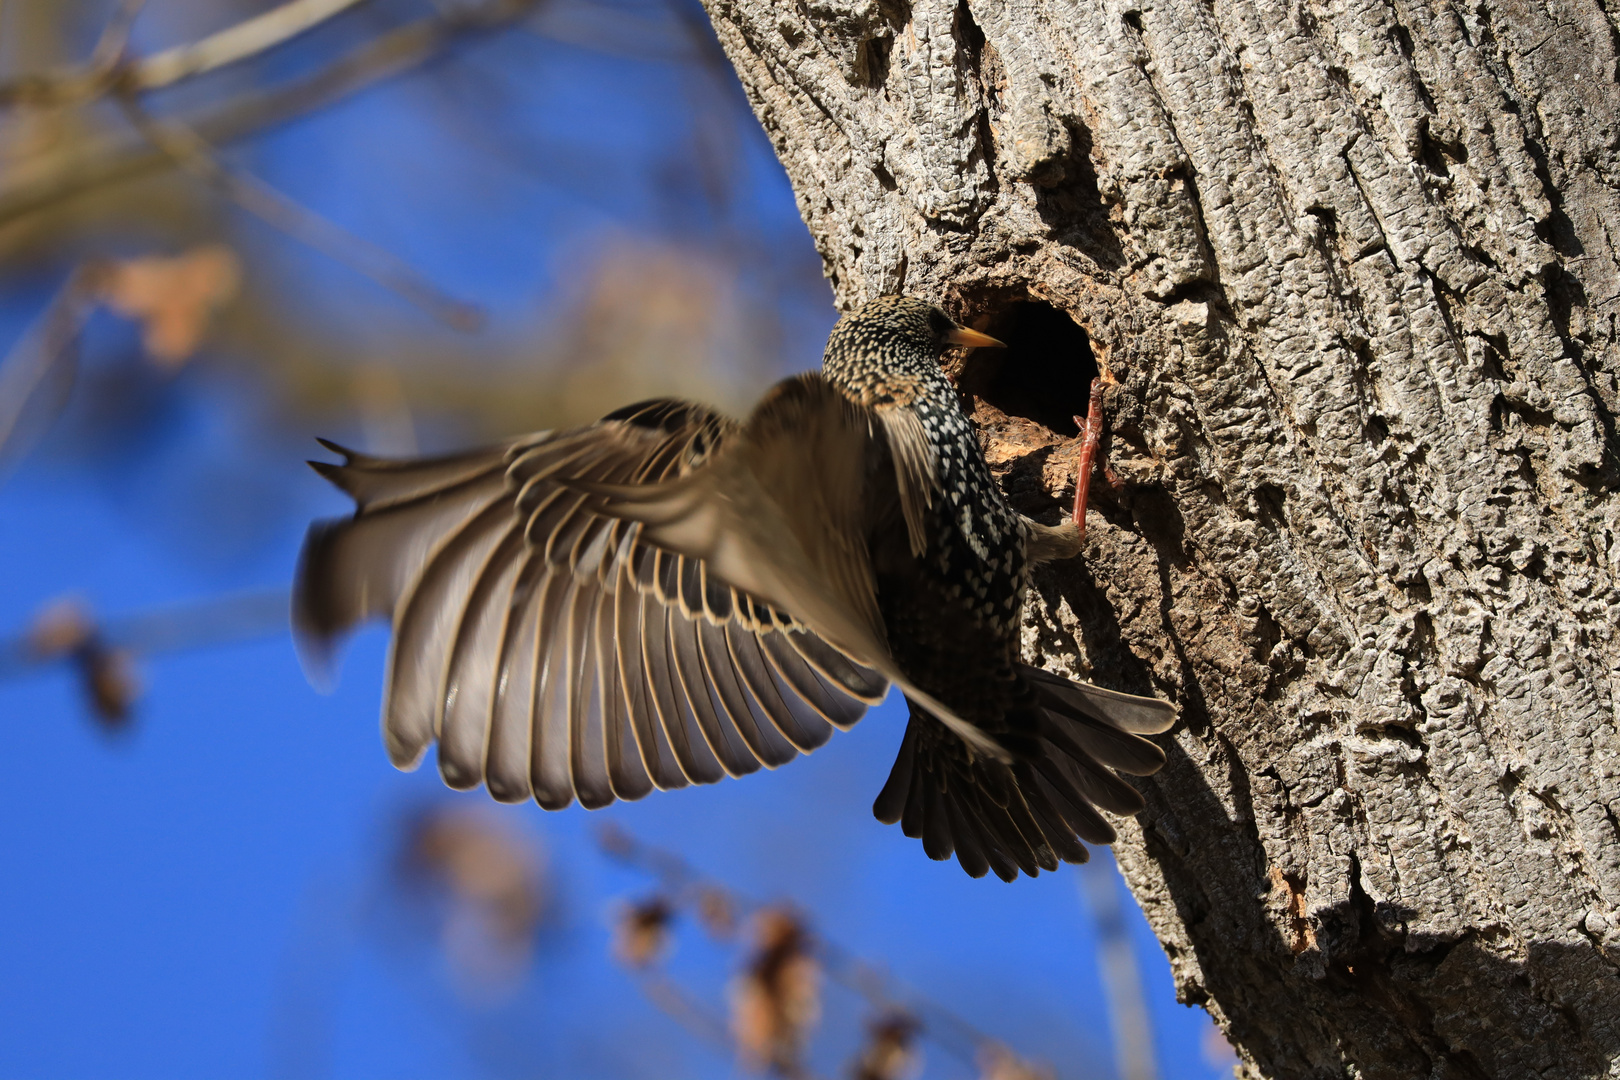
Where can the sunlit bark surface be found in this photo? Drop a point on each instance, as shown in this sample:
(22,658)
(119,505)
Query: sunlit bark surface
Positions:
(1353,265)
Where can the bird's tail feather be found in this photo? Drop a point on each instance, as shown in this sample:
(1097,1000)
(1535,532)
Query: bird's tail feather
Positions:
(1124,712)
(1031,812)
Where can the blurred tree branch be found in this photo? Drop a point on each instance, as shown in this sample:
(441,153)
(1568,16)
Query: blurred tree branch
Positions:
(643,942)
(91,162)
(37,182)
(109,69)
(102,653)
(239,42)
(193,154)
(219,620)
(173,298)
(34,358)
(1121,977)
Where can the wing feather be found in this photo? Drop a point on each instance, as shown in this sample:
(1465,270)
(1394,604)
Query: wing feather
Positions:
(916,471)
(626,771)
(587,738)
(856,680)
(716,728)
(936,825)
(1125,712)
(378,483)
(1004,865)
(1079,814)
(763,740)
(358,568)
(657,756)
(511,726)
(969,848)
(468,698)
(837,709)
(697,764)
(550,761)
(802,728)
(425,620)
(891,801)
(1058,835)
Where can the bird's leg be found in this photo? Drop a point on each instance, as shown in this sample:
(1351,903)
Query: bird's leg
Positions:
(1091,424)
(1048,542)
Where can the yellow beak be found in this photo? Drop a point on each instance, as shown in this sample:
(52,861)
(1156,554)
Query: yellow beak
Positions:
(963,336)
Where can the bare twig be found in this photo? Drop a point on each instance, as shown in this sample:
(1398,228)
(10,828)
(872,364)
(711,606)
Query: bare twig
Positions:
(220,620)
(39,353)
(684,1010)
(246,39)
(109,50)
(610,31)
(108,67)
(32,186)
(686,888)
(193,154)
(702,38)
(674,1001)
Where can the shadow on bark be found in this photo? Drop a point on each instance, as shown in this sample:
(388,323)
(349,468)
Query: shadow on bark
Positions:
(1449,1010)
(1395,1006)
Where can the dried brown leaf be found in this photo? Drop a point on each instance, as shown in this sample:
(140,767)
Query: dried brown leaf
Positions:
(484,864)
(111,683)
(65,629)
(641,936)
(777,999)
(997,1062)
(61,627)
(495,885)
(172,297)
(891,1051)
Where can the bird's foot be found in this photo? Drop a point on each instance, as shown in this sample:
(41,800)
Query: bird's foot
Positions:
(1091,425)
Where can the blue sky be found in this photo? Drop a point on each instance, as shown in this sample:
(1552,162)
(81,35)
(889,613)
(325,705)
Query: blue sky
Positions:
(210,893)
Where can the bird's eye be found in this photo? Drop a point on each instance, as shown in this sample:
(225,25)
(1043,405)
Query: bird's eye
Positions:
(940,323)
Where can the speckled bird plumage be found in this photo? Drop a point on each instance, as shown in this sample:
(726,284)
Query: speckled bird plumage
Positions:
(952,612)
(975,555)
(669,597)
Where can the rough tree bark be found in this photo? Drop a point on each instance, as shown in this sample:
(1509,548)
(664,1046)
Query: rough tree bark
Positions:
(1354,266)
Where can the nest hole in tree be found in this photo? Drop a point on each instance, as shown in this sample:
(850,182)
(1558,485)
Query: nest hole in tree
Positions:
(1043,375)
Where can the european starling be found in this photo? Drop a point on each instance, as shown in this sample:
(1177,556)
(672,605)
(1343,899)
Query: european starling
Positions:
(669,596)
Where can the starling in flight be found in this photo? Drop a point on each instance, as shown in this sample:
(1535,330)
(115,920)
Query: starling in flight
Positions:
(669,596)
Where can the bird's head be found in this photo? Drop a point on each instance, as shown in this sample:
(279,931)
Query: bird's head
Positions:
(878,352)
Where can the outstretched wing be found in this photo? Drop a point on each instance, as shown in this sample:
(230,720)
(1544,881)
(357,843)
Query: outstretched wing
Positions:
(548,645)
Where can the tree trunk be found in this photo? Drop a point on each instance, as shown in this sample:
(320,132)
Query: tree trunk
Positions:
(1353,265)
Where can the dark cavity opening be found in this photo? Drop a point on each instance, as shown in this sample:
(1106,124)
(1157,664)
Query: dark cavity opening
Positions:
(1044,374)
